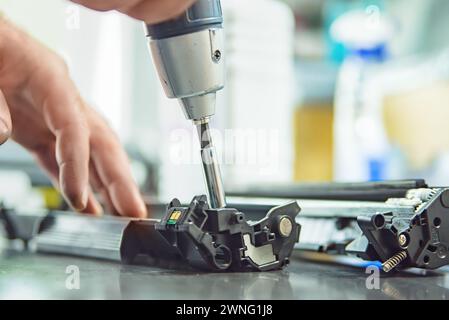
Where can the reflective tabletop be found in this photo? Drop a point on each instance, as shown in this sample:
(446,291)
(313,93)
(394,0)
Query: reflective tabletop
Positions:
(40,276)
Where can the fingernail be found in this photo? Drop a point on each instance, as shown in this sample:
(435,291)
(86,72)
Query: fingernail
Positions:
(4,131)
(80,203)
(84,197)
(142,208)
(98,208)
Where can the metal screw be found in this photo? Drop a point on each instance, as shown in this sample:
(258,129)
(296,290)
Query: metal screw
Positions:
(217,55)
(394,261)
(402,240)
(285,226)
(442,252)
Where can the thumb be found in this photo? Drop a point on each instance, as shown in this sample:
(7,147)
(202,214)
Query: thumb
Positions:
(5,120)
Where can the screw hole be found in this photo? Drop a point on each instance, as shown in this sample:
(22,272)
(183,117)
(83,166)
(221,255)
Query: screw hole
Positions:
(437,222)
(426,259)
(379,221)
(223,257)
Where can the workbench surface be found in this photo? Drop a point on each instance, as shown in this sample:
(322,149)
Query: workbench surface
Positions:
(39,276)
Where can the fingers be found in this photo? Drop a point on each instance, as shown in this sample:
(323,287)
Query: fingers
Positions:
(51,117)
(30,132)
(102,5)
(155,11)
(5,120)
(72,155)
(112,166)
(63,113)
(98,186)
(150,11)
(93,206)
(51,121)
(46,159)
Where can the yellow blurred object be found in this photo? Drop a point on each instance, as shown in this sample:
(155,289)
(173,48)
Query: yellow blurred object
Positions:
(416,121)
(313,127)
(52,198)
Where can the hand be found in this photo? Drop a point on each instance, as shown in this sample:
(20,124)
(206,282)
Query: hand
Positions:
(150,11)
(41,109)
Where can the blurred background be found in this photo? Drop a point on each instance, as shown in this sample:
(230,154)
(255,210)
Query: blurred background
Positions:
(316,91)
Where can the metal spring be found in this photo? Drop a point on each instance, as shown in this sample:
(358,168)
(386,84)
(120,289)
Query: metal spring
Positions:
(394,261)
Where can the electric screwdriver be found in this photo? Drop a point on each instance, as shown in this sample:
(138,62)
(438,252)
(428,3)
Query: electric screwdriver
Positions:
(188,55)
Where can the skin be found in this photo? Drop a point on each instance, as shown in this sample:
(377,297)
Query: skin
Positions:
(41,109)
(150,11)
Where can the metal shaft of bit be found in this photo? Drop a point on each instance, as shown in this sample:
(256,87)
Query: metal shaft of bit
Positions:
(211,169)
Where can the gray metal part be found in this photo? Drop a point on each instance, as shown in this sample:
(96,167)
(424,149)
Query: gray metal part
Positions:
(212,176)
(83,236)
(201,15)
(189,71)
(328,208)
(211,168)
(198,107)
